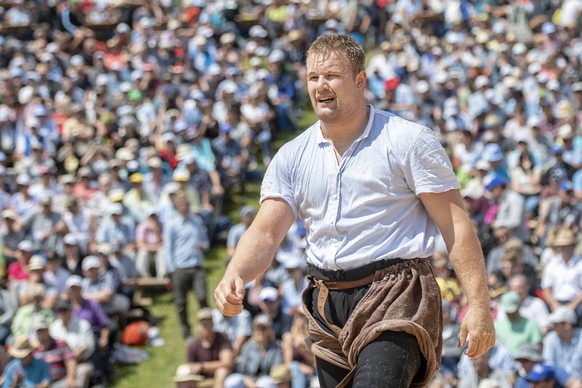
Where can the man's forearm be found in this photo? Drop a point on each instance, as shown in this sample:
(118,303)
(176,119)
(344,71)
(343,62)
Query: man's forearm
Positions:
(253,255)
(469,264)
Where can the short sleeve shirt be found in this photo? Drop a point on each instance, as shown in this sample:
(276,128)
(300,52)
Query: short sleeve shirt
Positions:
(365,207)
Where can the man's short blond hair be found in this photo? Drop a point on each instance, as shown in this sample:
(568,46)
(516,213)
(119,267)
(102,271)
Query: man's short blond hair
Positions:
(327,43)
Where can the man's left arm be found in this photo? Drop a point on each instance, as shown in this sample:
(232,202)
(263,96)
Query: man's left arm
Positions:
(448,212)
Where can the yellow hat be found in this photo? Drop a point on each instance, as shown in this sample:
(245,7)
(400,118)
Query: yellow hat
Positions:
(136,178)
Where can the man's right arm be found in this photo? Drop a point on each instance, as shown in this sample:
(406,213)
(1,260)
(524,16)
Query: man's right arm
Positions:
(254,253)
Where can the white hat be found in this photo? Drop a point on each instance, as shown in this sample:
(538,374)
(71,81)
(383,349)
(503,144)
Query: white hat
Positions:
(122,28)
(276,56)
(74,281)
(181,175)
(70,239)
(481,81)
(116,208)
(269,294)
(258,31)
(422,87)
(23,180)
(26,245)
(563,314)
(91,262)
(36,262)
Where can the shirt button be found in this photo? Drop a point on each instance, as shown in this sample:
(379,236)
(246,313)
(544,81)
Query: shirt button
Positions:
(335,196)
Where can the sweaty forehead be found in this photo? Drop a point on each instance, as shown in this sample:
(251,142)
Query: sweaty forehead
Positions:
(326,61)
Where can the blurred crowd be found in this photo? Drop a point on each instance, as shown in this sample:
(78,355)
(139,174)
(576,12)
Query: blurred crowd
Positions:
(125,126)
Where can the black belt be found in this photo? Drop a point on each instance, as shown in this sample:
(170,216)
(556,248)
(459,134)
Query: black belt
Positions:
(352,274)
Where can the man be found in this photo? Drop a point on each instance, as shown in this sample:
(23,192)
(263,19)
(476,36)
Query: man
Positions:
(64,369)
(45,228)
(563,346)
(513,329)
(75,332)
(531,307)
(371,189)
(210,354)
(185,240)
(483,370)
(25,370)
(247,215)
(511,210)
(561,276)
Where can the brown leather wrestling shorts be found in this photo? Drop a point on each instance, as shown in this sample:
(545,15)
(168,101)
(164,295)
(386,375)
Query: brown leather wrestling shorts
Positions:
(402,297)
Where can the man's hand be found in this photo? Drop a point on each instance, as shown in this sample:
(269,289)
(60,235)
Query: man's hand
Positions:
(478,326)
(229,295)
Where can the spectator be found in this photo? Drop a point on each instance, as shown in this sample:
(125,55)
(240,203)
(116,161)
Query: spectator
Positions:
(149,244)
(270,306)
(64,369)
(210,355)
(238,328)
(16,270)
(562,347)
(185,241)
(25,369)
(100,285)
(22,324)
(509,208)
(560,279)
(75,332)
(247,215)
(513,330)
(11,237)
(542,375)
(531,307)
(482,371)
(527,357)
(261,352)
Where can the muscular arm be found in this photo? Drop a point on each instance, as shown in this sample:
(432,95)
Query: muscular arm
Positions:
(447,211)
(254,253)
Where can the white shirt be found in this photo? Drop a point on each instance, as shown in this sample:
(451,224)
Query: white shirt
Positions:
(77,335)
(366,208)
(565,278)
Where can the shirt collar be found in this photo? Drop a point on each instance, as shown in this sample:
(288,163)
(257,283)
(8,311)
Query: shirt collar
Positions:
(321,140)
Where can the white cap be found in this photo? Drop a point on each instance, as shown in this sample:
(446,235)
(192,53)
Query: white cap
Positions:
(91,262)
(26,245)
(269,293)
(276,56)
(481,81)
(421,87)
(563,315)
(74,281)
(116,208)
(258,31)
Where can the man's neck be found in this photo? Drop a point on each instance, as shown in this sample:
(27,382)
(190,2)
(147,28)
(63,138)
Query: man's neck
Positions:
(343,134)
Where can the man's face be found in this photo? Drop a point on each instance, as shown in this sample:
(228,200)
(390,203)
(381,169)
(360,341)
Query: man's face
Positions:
(332,86)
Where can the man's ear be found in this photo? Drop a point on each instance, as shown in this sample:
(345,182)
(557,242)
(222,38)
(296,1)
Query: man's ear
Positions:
(361,79)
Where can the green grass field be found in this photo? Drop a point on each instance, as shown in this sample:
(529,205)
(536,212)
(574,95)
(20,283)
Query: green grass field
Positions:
(159,369)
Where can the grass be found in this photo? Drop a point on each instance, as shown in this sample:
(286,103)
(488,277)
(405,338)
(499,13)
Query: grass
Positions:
(158,371)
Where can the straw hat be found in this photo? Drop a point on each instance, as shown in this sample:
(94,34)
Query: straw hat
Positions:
(184,374)
(563,237)
(281,373)
(21,348)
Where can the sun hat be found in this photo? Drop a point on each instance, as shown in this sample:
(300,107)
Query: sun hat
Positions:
(21,347)
(563,314)
(281,373)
